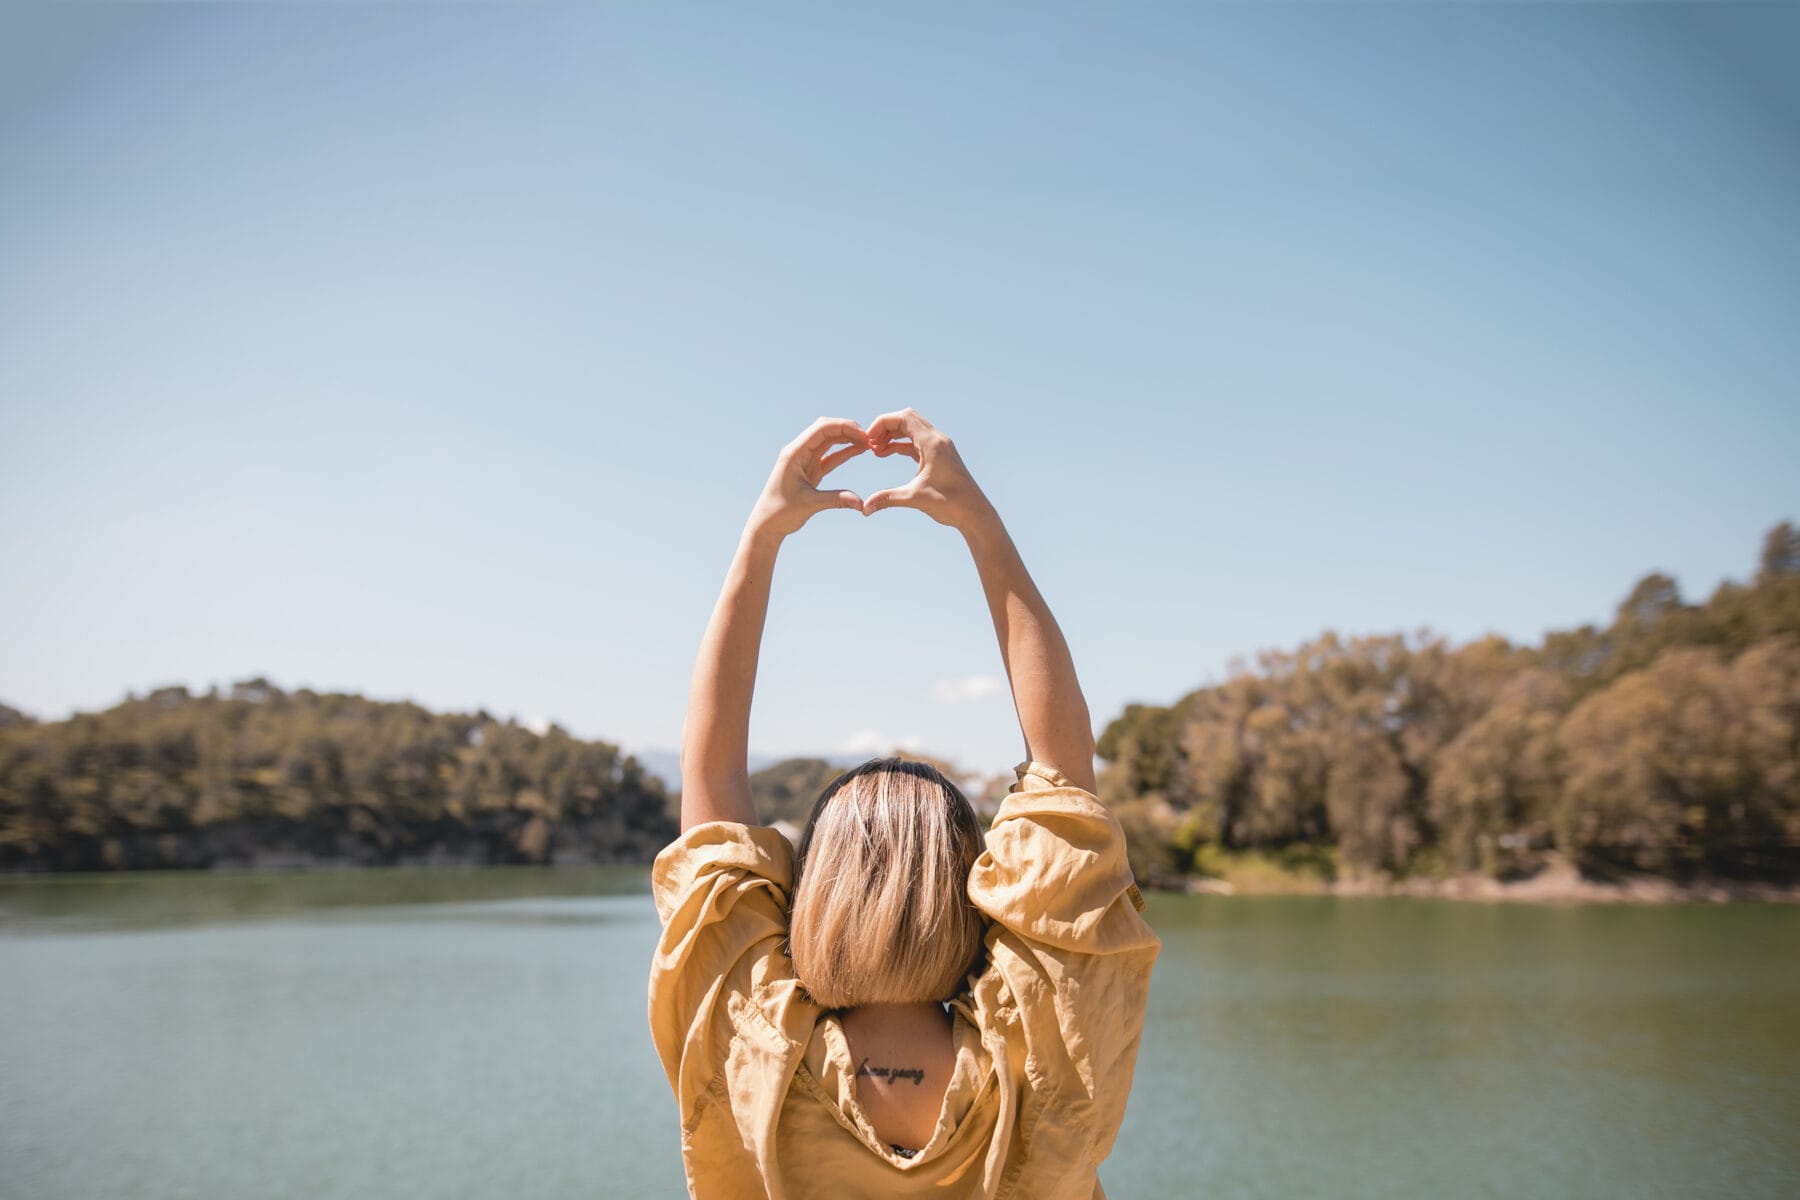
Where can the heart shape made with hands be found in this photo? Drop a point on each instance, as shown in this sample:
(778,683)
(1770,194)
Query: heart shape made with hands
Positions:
(831,442)
(941,488)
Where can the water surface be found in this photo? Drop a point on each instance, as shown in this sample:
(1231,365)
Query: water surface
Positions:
(471,1033)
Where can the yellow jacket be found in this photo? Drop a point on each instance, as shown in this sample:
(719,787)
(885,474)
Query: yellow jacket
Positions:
(1046,1030)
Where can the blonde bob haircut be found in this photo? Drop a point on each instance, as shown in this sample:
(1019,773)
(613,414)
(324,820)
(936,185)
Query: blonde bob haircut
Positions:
(880,912)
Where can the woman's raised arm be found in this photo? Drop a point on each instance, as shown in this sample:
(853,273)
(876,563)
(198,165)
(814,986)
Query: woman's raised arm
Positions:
(1053,714)
(715,741)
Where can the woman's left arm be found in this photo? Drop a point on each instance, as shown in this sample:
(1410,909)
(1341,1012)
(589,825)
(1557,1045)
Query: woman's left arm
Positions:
(715,742)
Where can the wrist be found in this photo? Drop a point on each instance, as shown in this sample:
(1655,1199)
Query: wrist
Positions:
(980,524)
(761,536)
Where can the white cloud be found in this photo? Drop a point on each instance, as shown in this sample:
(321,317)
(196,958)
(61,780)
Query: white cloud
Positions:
(871,742)
(969,687)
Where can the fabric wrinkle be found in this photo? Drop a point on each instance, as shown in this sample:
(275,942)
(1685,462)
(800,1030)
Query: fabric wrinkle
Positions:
(1045,1031)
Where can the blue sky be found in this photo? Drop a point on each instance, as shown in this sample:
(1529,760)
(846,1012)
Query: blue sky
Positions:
(439,352)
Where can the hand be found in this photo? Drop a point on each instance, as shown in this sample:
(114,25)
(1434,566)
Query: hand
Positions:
(792,495)
(943,489)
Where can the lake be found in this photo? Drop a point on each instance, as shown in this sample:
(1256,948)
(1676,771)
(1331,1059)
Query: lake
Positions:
(454,1033)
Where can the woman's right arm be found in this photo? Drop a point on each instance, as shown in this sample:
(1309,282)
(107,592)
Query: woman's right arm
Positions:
(1053,715)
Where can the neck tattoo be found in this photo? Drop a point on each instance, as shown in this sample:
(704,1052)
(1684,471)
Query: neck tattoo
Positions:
(892,1074)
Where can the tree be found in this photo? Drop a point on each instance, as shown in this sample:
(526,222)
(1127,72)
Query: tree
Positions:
(787,790)
(1766,680)
(1494,787)
(1653,777)
(1654,597)
(1780,554)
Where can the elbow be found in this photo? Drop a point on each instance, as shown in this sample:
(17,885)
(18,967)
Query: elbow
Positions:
(1082,736)
(1078,751)
(1085,748)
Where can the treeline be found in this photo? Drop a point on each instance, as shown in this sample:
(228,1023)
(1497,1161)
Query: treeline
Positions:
(1667,742)
(785,792)
(260,776)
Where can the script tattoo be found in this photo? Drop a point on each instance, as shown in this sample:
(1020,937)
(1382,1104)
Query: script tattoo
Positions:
(916,1074)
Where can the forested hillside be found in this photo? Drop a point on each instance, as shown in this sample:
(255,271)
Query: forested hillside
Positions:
(1667,742)
(785,792)
(259,776)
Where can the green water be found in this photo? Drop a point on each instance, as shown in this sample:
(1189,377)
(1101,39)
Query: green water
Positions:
(449,1033)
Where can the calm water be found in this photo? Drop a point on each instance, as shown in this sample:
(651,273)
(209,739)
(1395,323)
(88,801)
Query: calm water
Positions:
(481,1033)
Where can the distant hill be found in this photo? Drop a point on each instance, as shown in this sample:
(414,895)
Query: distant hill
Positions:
(258,776)
(787,790)
(665,763)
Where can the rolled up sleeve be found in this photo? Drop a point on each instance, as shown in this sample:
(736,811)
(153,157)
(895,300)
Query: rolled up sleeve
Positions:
(1070,940)
(721,891)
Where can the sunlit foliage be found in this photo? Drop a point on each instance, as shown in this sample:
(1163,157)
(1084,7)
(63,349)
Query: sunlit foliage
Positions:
(257,775)
(1667,742)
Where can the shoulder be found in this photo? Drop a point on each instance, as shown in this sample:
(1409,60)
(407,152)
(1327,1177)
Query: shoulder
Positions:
(719,851)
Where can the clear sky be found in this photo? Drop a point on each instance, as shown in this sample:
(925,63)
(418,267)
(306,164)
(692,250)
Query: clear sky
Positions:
(439,351)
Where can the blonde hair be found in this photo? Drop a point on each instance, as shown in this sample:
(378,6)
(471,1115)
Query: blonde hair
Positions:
(880,911)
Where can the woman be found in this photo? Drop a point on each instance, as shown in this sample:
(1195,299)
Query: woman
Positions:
(901,1007)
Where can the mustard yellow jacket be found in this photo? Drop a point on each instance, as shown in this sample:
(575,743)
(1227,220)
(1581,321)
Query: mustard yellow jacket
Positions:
(1046,1030)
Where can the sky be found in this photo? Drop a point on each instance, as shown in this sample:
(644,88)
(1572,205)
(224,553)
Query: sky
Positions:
(440,351)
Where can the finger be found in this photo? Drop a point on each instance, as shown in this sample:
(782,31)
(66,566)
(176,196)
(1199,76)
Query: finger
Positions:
(838,458)
(827,499)
(903,424)
(900,497)
(907,448)
(828,431)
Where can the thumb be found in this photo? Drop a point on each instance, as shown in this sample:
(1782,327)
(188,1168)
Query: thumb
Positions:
(899,497)
(824,499)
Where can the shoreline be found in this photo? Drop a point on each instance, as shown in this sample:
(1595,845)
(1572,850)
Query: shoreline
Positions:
(1553,885)
(1559,884)
(298,865)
